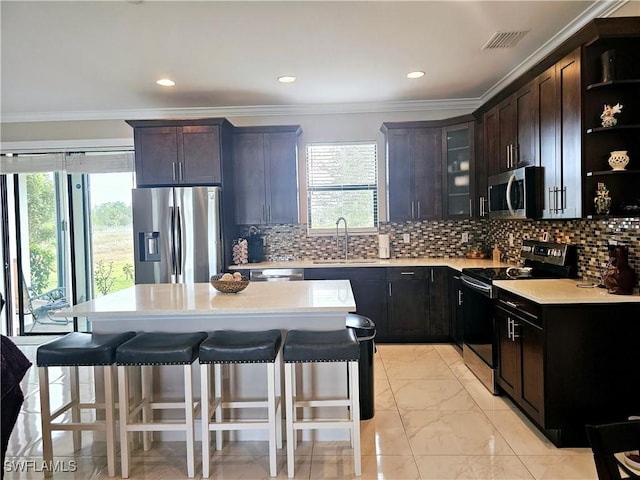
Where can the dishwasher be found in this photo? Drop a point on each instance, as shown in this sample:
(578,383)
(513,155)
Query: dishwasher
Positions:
(277,275)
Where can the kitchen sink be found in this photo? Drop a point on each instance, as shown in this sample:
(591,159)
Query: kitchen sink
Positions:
(338,262)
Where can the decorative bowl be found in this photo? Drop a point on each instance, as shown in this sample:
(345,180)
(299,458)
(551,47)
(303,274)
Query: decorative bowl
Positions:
(228,286)
(619,159)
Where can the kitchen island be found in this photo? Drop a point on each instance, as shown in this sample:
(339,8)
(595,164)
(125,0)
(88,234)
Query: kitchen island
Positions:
(307,305)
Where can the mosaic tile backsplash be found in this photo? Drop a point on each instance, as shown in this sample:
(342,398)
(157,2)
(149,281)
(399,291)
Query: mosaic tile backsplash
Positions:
(443,238)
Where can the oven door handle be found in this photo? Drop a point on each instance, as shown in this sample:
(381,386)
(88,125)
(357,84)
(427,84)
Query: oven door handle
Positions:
(475,285)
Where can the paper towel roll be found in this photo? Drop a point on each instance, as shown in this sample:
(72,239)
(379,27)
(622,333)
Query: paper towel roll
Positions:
(384,250)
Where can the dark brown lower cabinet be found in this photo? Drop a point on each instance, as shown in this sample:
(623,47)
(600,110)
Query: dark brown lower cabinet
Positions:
(369,286)
(520,348)
(569,365)
(406,304)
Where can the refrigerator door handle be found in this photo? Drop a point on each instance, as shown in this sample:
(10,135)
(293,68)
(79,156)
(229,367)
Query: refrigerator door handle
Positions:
(173,243)
(179,243)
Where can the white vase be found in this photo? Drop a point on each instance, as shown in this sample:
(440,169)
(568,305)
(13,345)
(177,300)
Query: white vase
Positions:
(618,159)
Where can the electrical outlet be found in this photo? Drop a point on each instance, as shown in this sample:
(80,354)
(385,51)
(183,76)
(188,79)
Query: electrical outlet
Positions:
(465,237)
(511,239)
(406,238)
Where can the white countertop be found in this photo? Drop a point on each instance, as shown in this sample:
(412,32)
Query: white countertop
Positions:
(457,263)
(314,296)
(562,291)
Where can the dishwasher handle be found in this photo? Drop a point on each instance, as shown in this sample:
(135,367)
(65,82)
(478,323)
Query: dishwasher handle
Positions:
(277,275)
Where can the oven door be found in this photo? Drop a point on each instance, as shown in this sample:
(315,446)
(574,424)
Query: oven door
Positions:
(479,345)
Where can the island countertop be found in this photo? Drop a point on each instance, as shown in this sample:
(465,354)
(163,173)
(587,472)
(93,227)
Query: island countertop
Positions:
(313,296)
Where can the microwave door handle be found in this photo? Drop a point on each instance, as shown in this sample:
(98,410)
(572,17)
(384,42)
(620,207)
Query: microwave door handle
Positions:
(509,185)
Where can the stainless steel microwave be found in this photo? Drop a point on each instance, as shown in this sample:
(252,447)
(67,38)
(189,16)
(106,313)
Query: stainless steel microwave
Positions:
(517,194)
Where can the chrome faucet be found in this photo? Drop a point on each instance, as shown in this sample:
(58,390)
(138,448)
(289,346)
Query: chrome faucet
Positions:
(346,237)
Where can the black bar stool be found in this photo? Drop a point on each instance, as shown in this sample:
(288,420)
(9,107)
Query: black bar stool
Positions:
(147,350)
(304,346)
(233,347)
(75,350)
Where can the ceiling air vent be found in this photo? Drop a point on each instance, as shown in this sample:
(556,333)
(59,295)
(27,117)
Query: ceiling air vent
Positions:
(504,39)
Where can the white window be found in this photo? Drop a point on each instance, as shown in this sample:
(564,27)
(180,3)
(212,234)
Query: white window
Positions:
(342,182)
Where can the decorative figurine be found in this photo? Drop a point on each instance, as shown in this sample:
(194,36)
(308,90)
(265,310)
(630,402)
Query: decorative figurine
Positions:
(602,201)
(619,277)
(608,119)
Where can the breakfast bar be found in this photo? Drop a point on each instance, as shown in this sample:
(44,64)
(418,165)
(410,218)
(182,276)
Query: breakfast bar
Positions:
(180,308)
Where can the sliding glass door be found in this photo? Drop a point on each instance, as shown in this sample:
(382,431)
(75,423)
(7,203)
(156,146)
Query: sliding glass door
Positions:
(68,236)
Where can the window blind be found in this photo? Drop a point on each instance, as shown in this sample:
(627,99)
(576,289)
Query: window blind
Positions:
(89,162)
(342,182)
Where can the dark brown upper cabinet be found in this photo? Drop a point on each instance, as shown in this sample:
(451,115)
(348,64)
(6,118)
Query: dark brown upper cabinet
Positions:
(458,170)
(510,132)
(179,152)
(559,127)
(265,168)
(414,171)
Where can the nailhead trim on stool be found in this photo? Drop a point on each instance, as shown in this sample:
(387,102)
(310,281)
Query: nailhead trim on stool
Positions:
(74,350)
(229,347)
(305,346)
(147,350)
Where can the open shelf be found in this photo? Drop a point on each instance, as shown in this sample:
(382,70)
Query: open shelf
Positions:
(633,81)
(611,172)
(614,128)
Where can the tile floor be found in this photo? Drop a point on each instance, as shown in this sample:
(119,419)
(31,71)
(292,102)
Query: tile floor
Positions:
(433,420)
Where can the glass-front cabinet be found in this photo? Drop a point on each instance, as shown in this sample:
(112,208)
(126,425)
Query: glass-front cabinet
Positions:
(457,154)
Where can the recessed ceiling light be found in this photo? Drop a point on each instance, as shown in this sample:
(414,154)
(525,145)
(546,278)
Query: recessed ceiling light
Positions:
(416,74)
(286,79)
(165,82)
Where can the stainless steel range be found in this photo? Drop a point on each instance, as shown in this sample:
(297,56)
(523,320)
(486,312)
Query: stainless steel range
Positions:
(479,349)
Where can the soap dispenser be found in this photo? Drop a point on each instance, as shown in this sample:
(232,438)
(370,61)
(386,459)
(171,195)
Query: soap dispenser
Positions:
(496,253)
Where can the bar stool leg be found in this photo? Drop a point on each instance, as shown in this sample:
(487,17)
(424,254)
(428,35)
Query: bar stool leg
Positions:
(291,436)
(189,420)
(355,418)
(109,407)
(217,396)
(75,406)
(278,371)
(271,412)
(205,376)
(45,406)
(123,394)
(147,399)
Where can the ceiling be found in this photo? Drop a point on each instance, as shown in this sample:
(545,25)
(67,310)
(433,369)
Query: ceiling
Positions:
(100,60)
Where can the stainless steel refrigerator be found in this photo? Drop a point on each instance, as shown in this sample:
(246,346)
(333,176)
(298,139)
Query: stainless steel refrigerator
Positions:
(177,234)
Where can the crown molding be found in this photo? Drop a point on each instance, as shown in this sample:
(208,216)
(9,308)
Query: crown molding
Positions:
(599,9)
(248,111)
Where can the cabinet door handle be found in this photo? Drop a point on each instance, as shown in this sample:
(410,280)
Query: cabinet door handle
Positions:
(509,328)
(563,198)
(508,164)
(511,304)
(180,172)
(432,275)
(268,213)
(459,297)
(412,210)
(173,173)
(514,325)
(481,206)
(389,288)
(470,207)
(407,273)
(418,210)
